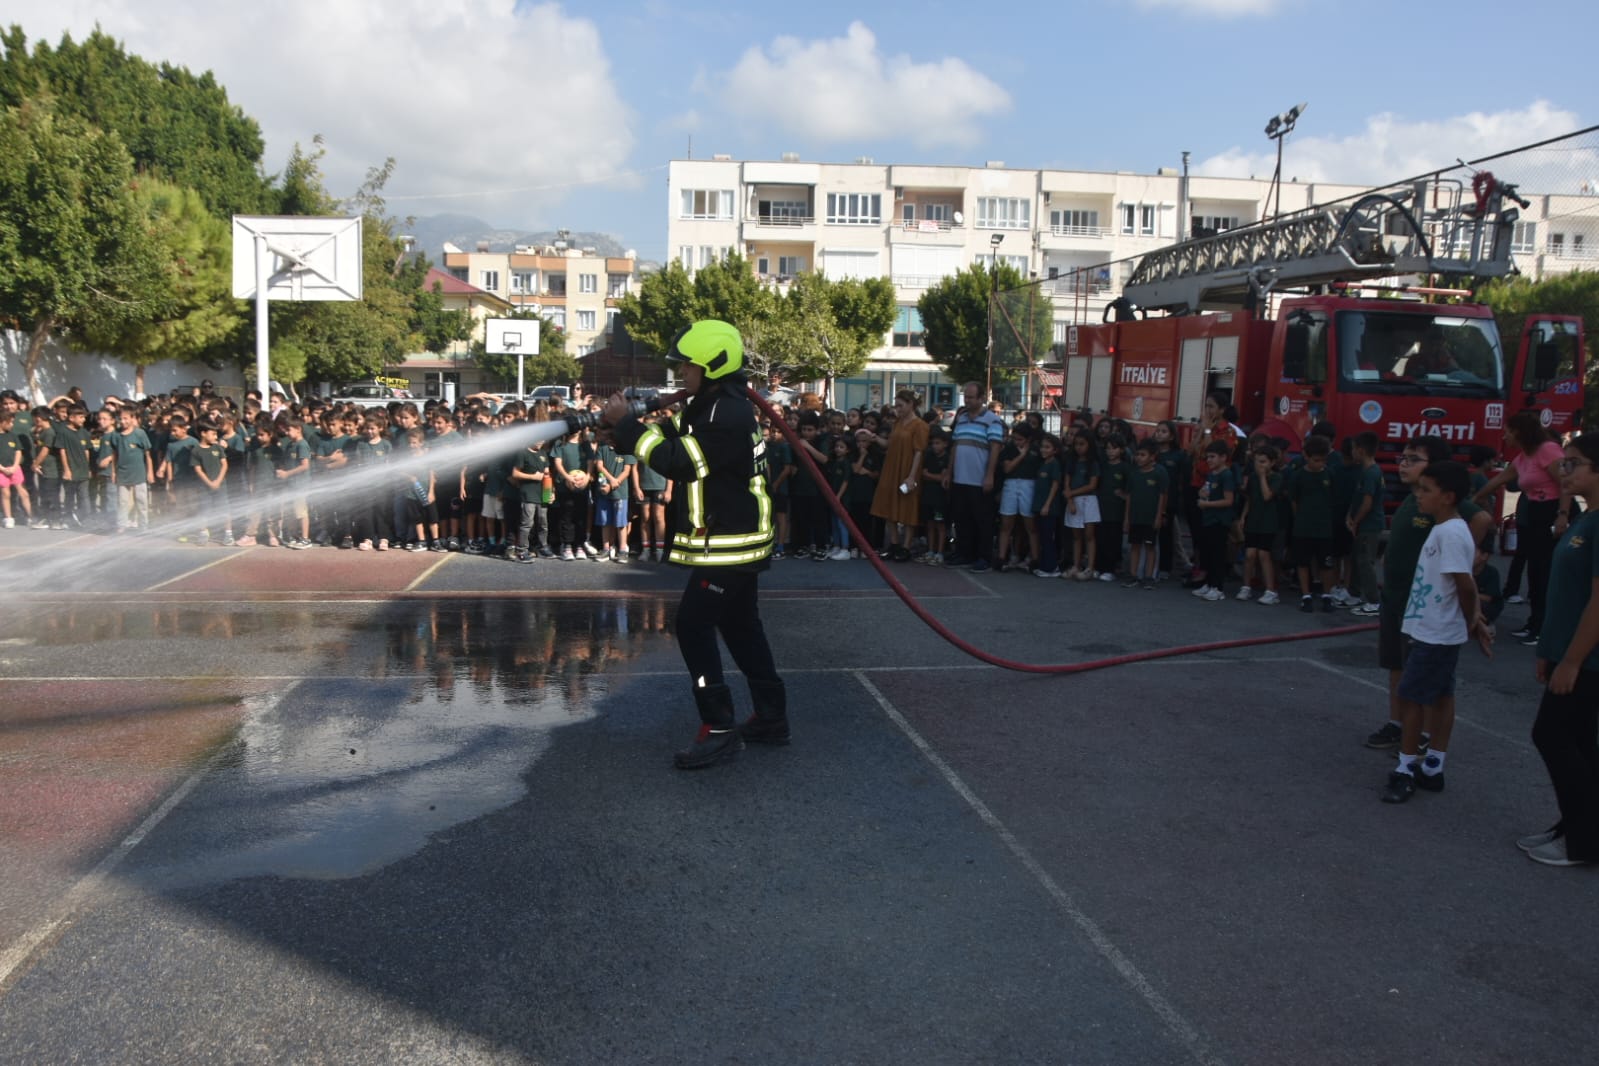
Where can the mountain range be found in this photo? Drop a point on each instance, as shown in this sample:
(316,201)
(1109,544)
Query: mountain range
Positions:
(466,232)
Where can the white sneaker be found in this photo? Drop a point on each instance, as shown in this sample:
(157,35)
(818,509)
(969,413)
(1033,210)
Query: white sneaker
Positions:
(1267,599)
(1201,592)
(6,523)
(1342,598)
(839,555)
(1245,593)
(1107,576)
(1508,599)
(1214,595)
(1366,610)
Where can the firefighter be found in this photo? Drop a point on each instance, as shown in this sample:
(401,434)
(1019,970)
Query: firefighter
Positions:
(722,531)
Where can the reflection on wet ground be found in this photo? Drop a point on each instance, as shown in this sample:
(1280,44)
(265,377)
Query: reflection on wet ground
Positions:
(407,718)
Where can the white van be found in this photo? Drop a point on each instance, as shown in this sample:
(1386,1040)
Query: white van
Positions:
(551,392)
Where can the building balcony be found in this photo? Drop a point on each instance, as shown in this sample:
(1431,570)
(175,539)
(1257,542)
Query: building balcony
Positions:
(779,228)
(925,231)
(1075,285)
(1577,253)
(916,281)
(1061,238)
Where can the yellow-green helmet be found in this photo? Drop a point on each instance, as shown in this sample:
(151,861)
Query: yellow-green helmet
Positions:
(712,345)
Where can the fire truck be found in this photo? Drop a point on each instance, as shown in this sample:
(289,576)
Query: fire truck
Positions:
(1305,318)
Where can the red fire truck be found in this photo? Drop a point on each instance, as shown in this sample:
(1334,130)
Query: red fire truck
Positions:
(1399,361)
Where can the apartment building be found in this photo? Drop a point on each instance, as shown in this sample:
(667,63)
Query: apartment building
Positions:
(575,288)
(1077,232)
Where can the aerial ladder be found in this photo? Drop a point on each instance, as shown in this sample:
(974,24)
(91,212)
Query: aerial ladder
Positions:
(1431,227)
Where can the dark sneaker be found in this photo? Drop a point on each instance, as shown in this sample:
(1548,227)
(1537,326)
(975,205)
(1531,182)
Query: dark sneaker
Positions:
(1530,640)
(1400,788)
(709,748)
(1538,840)
(1306,606)
(1523,633)
(980,567)
(1385,738)
(1327,604)
(758,730)
(1430,782)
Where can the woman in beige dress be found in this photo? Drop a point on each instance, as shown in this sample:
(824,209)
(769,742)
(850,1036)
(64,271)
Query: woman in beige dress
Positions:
(899,489)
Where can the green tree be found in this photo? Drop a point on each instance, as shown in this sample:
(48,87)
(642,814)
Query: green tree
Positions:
(669,301)
(1576,293)
(435,325)
(176,125)
(551,366)
(77,251)
(955,320)
(201,317)
(824,329)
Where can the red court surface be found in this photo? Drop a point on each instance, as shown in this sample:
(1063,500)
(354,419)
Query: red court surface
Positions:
(320,571)
(83,762)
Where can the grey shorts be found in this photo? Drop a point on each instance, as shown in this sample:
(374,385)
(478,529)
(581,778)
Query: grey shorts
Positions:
(1429,672)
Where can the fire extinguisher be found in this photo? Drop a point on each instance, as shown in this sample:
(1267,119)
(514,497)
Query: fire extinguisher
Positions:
(1507,539)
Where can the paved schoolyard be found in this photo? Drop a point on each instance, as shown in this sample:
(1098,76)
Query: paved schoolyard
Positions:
(266,806)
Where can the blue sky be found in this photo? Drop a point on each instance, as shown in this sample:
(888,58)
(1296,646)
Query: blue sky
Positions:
(544,115)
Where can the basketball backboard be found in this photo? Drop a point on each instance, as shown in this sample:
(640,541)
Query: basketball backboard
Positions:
(511,336)
(305,258)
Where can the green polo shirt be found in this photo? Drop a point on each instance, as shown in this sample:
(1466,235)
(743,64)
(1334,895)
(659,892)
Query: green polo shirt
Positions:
(1312,494)
(1146,489)
(1572,571)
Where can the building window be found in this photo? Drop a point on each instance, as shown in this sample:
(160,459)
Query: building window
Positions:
(557,283)
(610,319)
(707,255)
(616,285)
(685,255)
(1557,244)
(706,203)
(585,349)
(1576,246)
(1525,240)
(1146,220)
(1216,223)
(1017,263)
(781,212)
(1129,213)
(938,212)
(523,281)
(588,283)
(789,265)
(1074,223)
(998,212)
(854,209)
(555,316)
(459,274)
(908,328)
(585,320)
(491,281)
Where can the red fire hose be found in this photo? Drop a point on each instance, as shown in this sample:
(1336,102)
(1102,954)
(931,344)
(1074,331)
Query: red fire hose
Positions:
(1009,664)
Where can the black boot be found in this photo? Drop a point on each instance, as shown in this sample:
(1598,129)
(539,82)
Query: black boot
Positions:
(718,738)
(769,723)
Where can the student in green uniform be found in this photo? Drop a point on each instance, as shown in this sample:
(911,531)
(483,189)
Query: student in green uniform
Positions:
(779,471)
(12,456)
(1148,489)
(132,470)
(935,495)
(1566,731)
(175,473)
(73,451)
(613,477)
(807,508)
(292,472)
(526,473)
(1049,505)
(209,461)
(260,462)
(1114,473)
(1312,496)
(1217,502)
(1365,524)
(1406,536)
(47,465)
(1261,523)
(1019,463)
(1346,479)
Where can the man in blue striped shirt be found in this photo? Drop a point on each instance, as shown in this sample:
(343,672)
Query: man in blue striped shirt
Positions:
(975,441)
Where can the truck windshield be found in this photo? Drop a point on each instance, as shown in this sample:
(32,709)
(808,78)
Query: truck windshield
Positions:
(1415,354)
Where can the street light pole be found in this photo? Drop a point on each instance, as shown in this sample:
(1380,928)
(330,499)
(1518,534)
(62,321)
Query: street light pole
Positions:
(1278,128)
(993,286)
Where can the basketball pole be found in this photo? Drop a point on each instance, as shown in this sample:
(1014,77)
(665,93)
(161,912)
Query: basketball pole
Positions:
(262,272)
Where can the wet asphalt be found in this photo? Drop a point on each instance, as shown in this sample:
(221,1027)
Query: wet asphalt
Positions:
(425,812)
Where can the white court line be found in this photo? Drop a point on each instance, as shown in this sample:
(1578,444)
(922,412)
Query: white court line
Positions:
(1180,1027)
(1460,719)
(18,953)
(218,561)
(429,572)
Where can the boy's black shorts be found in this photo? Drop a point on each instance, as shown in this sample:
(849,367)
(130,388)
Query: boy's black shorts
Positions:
(779,503)
(454,507)
(1392,646)
(1260,541)
(473,505)
(659,496)
(1343,541)
(1140,536)
(1312,552)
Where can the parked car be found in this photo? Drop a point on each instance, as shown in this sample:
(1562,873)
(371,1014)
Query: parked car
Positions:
(371,393)
(548,393)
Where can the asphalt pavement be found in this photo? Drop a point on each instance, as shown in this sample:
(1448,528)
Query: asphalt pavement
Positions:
(269,806)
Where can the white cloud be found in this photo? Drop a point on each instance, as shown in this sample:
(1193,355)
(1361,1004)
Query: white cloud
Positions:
(1391,148)
(467,95)
(1213,8)
(845,89)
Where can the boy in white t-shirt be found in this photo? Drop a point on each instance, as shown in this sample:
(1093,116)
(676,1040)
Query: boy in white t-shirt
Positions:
(1441,614)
